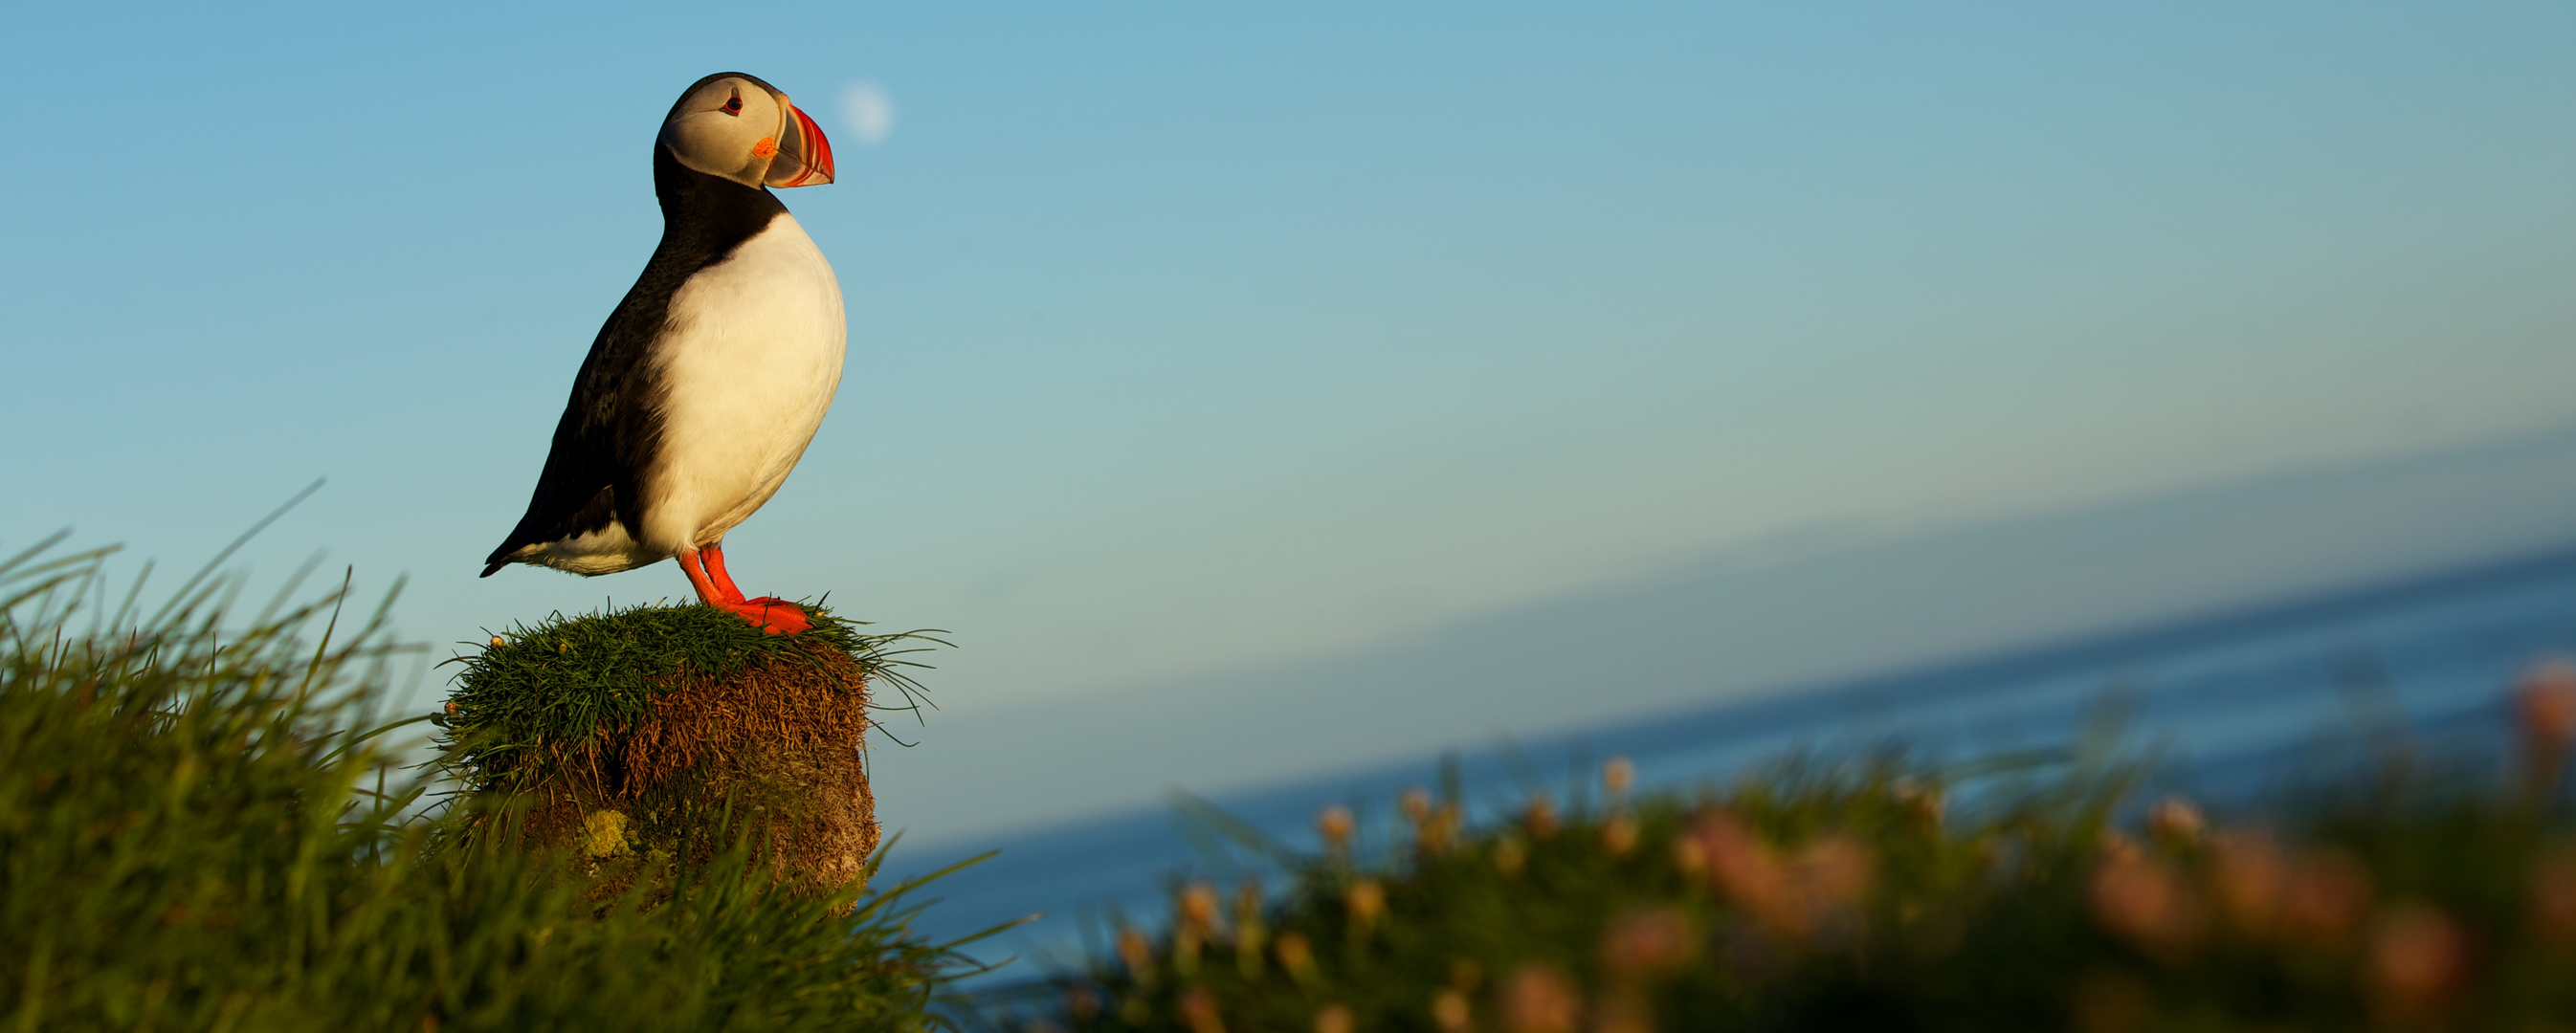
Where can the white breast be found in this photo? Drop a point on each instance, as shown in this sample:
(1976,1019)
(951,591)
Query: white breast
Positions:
(749,362)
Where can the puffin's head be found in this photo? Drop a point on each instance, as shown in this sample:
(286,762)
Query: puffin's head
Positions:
(734,126)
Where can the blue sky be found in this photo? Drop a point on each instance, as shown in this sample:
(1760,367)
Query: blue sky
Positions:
(1186,340)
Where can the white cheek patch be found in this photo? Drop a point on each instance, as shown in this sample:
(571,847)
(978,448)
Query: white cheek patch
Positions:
(712,140)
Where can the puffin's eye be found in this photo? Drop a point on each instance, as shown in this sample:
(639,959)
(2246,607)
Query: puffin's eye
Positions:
(733,106)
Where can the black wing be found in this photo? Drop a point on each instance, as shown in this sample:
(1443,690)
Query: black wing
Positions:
(606,435)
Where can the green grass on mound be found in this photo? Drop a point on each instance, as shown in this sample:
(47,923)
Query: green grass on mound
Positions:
(552,688)
(206,825)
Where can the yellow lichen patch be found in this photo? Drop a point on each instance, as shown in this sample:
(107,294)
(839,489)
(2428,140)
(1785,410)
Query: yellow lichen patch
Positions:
(603,834)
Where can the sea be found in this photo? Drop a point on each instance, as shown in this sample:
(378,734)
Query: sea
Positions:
(2226,707)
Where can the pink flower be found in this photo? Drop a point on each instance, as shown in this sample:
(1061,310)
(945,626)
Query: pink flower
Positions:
(2142,899)
(2418,959)
(1198,1010)
(1539,999)
(1648,942)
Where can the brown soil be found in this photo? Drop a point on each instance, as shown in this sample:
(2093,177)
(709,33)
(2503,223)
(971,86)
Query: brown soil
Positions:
(777,750)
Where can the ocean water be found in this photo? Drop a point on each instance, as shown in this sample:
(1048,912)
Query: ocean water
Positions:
(2227,705)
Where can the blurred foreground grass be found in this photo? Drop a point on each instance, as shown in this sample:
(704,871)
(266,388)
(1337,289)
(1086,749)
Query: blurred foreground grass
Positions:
(1874,895)
(205,825)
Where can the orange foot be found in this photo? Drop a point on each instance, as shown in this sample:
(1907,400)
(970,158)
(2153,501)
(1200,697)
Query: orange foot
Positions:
(706,571)
(771,614)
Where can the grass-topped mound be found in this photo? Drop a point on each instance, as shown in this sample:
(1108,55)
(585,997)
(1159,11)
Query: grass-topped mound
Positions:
(635,731)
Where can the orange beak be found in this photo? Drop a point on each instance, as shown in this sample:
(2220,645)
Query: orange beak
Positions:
(804,155)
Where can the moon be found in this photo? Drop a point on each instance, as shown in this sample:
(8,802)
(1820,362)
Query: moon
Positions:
(869,110)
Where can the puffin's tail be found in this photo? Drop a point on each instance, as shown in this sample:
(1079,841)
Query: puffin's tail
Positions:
(501,557)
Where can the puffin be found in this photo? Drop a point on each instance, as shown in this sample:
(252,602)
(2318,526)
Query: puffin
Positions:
(709,379)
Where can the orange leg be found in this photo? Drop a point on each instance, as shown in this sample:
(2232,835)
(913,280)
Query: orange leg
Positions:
(708,593)
(714,557)
(705,568)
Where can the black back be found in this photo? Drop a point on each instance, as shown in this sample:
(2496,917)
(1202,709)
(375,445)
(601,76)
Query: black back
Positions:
(612,427)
